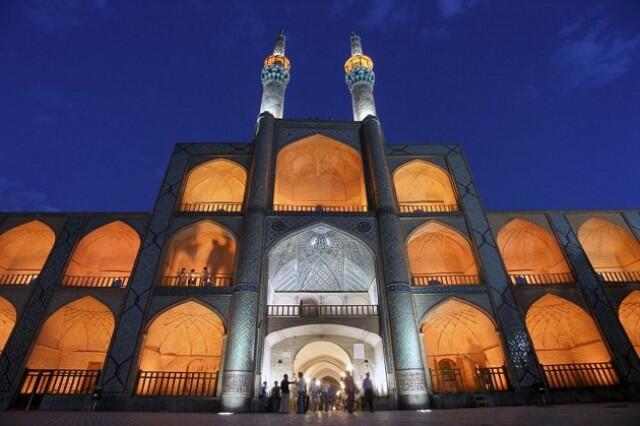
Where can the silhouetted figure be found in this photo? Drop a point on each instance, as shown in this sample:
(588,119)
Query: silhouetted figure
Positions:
(274,398)
(367,387)
(315,394)
(193,277)
(284,389)
(350,389)
(182,277)
(205,277)
(324,396)
(301,387)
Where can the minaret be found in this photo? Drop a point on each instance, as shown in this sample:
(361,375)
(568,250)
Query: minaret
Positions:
(360,79)
(275,77)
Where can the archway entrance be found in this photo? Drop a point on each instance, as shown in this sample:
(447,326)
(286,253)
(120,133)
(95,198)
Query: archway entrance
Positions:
(325,351)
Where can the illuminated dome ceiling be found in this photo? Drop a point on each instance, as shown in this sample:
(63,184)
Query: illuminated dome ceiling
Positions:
(321,259)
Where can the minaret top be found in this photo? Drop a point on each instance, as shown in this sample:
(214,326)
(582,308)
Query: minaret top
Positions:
(278,58)
(356,44)
(280,45)
(358,59)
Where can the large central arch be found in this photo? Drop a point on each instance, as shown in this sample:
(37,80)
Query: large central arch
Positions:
(323,350)
(322,265)
(318,171)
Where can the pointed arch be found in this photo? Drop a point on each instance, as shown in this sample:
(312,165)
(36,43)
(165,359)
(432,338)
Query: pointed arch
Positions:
(318,171)
(459,339)
(104,256)
(181,352)
(202,244)
(217,185)
(424,186)
(531,254)
(629,314)
(7,321)
(74,337)
(568,344)
(439,254)
(612,250)
(24,249)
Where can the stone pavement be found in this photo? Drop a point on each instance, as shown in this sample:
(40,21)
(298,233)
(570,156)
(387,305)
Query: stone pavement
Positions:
(617,414)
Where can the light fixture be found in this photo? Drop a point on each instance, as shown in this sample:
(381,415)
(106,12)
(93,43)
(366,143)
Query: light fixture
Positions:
(225,413)
(423,411)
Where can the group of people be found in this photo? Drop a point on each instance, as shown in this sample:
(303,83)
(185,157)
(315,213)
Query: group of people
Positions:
(317,396)
(194,278)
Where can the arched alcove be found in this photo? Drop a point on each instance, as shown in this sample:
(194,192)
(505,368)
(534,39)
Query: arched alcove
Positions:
(104,257)
(319,172)
(629,314)
(463,349)
(23,251)
(7,321)
(75,337)
(181,352)
(422,186)
(440,255)
(217,185)
(612,250)
(196,246)
(321,265)
(531,254)
(568,344)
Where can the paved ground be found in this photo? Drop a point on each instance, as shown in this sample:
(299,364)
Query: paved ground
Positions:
(617,414)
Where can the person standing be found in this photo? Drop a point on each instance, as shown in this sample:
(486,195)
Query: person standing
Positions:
(205,276)
(350,389)
(324,396)
(301,386)
(182,277)
(264,389)
(315,393)
(274,398)
(367,387)
(193,277)
(284,389)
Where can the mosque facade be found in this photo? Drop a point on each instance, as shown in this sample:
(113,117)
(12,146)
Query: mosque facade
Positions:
(318,248)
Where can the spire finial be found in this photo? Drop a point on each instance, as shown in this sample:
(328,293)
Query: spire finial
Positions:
(356,44)
(280,44)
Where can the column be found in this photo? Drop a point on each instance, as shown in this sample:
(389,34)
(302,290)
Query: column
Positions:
(241,341)
(411,382)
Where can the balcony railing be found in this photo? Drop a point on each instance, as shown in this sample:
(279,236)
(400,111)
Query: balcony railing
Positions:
(580,375)
(59,382)
(161,383)
(322,310)
(232,207)
(197,281)
(535,279)
(438,280)
(486,379)
(427,208)
(17,279)
(318,208)
(619,276)
(86,281)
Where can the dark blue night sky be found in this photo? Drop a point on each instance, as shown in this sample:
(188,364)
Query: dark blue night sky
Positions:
(544,97)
